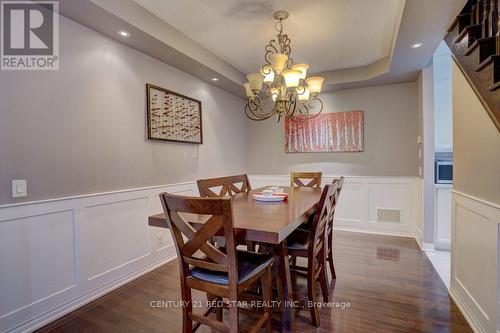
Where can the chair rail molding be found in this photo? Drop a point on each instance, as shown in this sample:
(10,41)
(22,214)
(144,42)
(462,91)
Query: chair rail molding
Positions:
(475,260)
(63,253)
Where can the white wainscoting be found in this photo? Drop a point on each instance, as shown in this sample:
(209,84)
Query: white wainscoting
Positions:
(360,198)
(475,261)
(56,255)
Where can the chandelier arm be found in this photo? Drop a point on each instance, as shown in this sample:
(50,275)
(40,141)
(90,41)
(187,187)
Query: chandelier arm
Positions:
(252,108)
(309,107)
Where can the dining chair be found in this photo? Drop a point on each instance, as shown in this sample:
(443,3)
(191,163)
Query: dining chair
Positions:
(221,273)
(311,245)
(329,230)
(314,179)
(228,186)
(225,186)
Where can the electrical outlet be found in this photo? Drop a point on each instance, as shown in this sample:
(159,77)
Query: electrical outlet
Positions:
(19,188)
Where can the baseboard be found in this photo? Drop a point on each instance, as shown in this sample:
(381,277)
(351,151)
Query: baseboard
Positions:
(428,247)
(374,232)
(73,305)
(469,317)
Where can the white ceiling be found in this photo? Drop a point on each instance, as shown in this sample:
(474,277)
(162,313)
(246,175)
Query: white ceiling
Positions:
(327,34)
(227,37)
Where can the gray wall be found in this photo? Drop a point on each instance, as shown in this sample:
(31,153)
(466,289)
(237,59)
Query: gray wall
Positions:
(476,144)
(82,129)
(391,130)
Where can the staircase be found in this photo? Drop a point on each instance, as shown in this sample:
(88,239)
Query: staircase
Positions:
(474,40)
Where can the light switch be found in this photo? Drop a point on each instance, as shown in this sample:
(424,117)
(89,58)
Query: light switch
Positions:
(419,139)
(420,171)
(19,188)
(420,154)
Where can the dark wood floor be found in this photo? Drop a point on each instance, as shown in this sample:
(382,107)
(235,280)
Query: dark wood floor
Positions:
(390,285)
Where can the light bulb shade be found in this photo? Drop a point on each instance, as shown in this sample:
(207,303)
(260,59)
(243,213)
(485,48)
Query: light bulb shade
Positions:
(292,78)
(268,73)
(303,93)
(302,68)
(255,81)
(248,91)
(278,62)
(315,83)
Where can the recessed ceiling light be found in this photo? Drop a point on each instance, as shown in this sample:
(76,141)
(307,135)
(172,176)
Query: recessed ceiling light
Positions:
(215,79)
(417,45)
(124,33)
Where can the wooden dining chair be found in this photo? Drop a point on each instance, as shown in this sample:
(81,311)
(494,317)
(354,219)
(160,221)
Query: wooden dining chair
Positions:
(222,273)
(225,186)
(228,186)
(311,245)
(329,229)
(314,179)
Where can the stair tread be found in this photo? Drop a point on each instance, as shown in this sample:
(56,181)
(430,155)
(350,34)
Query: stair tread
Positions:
(466,30)
(487,62)
(477,42)
(494,87)
(455,21)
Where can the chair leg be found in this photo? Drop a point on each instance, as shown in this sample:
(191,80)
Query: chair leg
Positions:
(187,323)
(332,267)
(323,275)
(267,291)
(218,309)
(233,319)
(311,290)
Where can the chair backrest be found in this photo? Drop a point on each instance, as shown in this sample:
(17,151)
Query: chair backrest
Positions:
(324,214)
(219,213)
(314,179)
(340,183)
(229,186)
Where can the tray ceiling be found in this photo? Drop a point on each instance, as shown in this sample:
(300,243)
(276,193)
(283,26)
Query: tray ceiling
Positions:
(327,34)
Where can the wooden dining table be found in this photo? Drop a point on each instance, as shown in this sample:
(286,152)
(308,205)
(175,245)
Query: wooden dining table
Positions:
(269,223)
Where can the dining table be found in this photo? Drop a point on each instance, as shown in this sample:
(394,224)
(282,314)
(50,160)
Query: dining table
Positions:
(269,224)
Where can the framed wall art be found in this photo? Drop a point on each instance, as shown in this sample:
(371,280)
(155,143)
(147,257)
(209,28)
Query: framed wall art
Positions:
(328,132)
(172,116)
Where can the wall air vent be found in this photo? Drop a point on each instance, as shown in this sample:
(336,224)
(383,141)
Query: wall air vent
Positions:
(388,215)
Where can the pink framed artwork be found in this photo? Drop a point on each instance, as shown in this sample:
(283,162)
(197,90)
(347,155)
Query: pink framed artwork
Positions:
(328,132)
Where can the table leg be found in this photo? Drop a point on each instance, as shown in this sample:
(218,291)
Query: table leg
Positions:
(284,282)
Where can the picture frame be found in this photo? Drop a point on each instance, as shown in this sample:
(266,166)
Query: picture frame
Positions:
(172,116)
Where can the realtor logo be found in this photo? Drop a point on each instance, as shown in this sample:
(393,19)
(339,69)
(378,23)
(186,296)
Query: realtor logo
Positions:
(30,35)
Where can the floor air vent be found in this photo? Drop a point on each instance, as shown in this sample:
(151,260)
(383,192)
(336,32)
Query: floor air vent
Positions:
(388,215)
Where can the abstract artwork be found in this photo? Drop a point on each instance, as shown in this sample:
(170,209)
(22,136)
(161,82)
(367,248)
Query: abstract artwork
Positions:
(328,132)
(172,116)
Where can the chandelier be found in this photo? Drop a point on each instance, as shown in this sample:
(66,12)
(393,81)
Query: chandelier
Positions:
(286,84)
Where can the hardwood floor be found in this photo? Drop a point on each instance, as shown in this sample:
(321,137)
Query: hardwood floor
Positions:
(389,285)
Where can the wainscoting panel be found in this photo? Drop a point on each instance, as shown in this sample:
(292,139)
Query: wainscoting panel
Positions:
(111,245)
(57,255)
(362,196)
(475,260)
(36,262)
